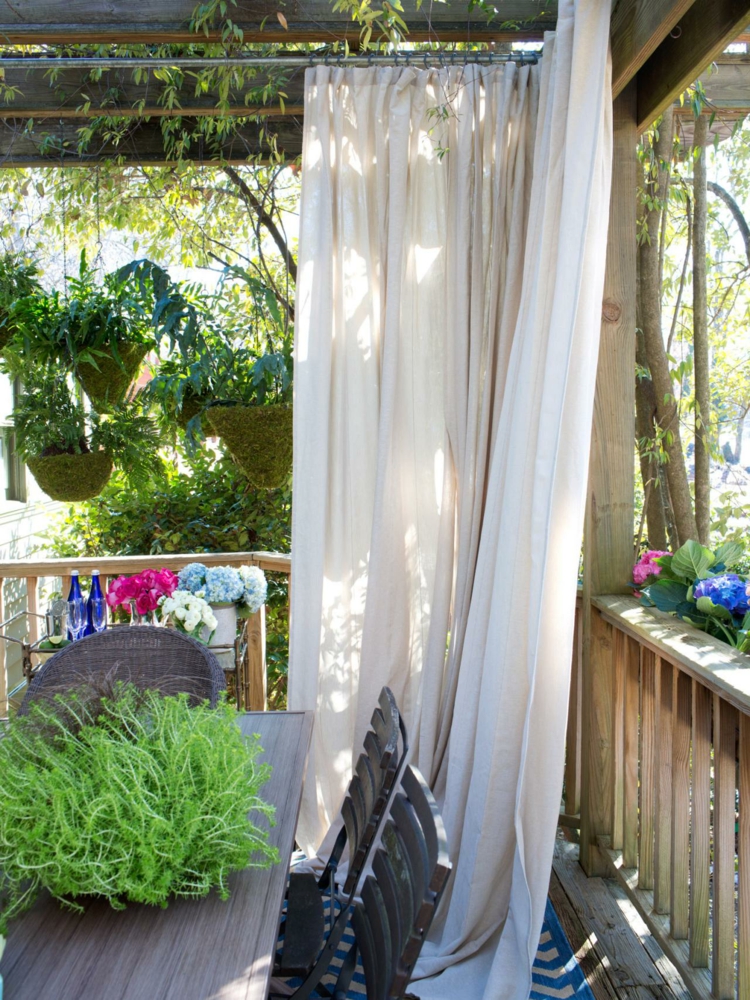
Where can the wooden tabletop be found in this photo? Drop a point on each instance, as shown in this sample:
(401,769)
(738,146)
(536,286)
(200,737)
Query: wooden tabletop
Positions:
(195,949)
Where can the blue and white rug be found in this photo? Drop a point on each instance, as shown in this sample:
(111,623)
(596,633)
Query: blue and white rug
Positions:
(556,974)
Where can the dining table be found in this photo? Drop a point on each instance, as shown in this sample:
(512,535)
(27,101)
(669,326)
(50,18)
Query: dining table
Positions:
(195,949)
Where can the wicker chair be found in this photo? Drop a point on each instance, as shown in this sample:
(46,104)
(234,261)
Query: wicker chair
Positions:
(159,659)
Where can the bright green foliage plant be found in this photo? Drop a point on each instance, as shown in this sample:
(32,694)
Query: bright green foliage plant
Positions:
(133,797)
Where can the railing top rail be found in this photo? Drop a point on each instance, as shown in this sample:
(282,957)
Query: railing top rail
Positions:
(115,565)
(714,663)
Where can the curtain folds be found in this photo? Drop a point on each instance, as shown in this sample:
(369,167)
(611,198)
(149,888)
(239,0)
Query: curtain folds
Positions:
(452,246)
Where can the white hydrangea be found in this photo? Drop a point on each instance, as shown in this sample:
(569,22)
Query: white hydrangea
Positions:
(256,587)
(188,613)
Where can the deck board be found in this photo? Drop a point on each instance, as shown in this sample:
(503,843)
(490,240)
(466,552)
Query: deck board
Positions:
(619,957)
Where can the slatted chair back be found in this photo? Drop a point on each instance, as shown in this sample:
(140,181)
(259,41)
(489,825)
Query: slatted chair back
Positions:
(372,783)
(399,900)
(160,659)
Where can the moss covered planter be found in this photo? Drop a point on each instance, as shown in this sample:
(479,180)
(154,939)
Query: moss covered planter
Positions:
(259,439)
(107,386)
(72,477)
(192,405)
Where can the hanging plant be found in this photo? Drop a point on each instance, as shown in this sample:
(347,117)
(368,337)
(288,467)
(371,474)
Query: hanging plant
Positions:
(70,460)
(102,328)
(259,438)
(18,278)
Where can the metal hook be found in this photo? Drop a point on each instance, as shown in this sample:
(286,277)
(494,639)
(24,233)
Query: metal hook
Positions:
(408,59)
(338,60)
(490,54)
(369,59)
(521,60)
(327,57)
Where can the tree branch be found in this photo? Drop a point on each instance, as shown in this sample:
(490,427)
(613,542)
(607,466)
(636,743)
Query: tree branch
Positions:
(736,211)
(265,218)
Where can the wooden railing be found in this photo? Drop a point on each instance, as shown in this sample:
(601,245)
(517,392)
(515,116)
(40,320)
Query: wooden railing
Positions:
(675,796)
(21,580)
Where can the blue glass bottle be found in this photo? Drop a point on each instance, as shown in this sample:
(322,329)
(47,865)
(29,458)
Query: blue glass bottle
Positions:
(75,597)
(95,594)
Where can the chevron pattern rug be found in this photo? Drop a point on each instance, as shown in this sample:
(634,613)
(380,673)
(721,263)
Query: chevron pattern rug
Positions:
(556,974)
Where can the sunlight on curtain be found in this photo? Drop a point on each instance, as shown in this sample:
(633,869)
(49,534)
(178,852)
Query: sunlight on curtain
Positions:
(452,246)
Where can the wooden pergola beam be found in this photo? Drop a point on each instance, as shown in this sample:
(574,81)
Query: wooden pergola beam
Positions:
(143,144)
(704,32)
(71,96)
(50,22)
(638,27)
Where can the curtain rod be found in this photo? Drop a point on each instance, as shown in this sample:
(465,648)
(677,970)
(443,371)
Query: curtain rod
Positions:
(419,60)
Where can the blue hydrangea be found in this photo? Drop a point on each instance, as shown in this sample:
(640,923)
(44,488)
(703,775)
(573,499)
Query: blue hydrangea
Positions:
(727,590)
(192,577)
(256,588)
(223,585)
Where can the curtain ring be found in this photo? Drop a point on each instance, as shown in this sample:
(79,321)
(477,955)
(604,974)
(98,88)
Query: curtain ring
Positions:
(522,57)
(408,59)
(489,56)
(338,60)
(369,59)
(441,60)
(327,56)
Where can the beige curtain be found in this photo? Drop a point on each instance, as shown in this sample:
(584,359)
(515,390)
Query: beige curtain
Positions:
(452,246)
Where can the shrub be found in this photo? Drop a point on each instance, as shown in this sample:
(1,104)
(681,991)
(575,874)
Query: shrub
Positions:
(133,797)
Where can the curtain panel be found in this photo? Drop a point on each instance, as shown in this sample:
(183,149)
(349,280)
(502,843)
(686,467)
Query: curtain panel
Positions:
(452,247)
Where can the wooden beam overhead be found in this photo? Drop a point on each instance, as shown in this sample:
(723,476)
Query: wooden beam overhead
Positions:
(638,27)
(50,22)
(71,94)
(702,35)
(143,144)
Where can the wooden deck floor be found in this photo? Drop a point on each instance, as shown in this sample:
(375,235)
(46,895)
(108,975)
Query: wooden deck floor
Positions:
(616,951)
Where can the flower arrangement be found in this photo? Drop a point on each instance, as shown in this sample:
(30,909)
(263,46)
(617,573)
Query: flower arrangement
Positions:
(697,585)
(189,614)
(245,587)
(147,589)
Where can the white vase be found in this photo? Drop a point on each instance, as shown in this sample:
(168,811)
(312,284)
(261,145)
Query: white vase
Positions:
(225,634)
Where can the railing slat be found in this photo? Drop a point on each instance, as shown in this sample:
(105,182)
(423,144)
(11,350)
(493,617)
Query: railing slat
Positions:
(679,907)
(630,715)
(722,960)
(663,797)
(256,691)
(573,735)
(700,829)
(744,861)
(32,606)
(648,769)
(618,738)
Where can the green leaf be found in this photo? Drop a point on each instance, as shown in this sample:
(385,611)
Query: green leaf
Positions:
(707,606)
(692,561)
(729,553)
(666,594)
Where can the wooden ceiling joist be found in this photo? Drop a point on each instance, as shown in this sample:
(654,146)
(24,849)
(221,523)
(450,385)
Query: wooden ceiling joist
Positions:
(143,143)
(79,21)
(701,36)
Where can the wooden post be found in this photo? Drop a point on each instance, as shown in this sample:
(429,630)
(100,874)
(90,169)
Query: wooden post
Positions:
(256,662)
(608,536)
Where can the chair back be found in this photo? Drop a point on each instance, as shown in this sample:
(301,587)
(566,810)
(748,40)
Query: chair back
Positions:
(399,900)
(160,659)
(372,783)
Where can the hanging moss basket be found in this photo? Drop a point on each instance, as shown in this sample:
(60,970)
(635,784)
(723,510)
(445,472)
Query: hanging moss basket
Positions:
(72,477)
(192,404)
(107,386)
(259,439)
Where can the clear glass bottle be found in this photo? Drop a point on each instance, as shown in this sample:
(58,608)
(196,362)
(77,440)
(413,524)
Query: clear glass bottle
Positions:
(77,608)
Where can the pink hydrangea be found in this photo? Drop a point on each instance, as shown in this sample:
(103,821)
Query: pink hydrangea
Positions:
(647,567)
(146,589)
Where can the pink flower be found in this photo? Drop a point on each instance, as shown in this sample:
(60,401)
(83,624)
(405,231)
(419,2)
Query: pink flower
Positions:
(647,567)
(144,588)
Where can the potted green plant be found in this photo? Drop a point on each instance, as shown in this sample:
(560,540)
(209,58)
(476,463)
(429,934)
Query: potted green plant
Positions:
(101,329)
(129,796)
(19,277)
(72,458)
